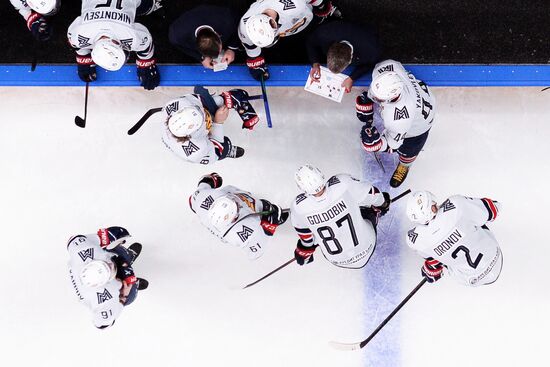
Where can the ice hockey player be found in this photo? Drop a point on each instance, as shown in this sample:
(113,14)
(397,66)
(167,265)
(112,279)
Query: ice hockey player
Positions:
(343,44)
(207,33)
(193,128)
(36,13)
(105,33)
(406,108)
(454,238)
(101,273)
(235,216)
(339,215)
(268,20)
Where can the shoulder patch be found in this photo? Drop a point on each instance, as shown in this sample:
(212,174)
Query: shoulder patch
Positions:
(103,297)
(412,235)
(245,233)
(86,254)
(400,114)
(300,198)
(288,4)
(447,205)
(207,203)
(189,148)
(333,181)
(385,68)
(172,107)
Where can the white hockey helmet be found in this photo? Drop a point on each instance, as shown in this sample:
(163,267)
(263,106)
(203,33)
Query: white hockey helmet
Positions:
(96,274)
(186,121)
(386,87)
(260,30)
(44,7)
(108,53)
(310,179)
(223,212)
(419,207)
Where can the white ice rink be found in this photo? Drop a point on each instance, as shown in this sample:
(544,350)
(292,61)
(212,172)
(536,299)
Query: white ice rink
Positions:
(58,180)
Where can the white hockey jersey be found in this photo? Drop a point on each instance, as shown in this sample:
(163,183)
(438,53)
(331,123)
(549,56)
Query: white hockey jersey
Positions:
(294,17)
(103,302)
(247,234)
(201,146)
(334,221)
(22,7)
(456,238)
(112,18)
(413,114)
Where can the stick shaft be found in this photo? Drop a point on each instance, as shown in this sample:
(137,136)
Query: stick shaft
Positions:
(271,273)
(406,192)
(266,104)
(377,158)
(142,120)
(86,100)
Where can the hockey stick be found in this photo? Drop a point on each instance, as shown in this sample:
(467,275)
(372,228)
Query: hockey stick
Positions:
(359,345)
(267,212)
(545,89)
(79,121)
(406,192)
(142,120)
(266,104)
(377,157)
(270,273)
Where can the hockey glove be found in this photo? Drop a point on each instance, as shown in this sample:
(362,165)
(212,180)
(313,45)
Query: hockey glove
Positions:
(238,100)
(370,137)
(326,10)
(432,270)
(303,254)
(273,219)
(112,236)
(39,27)
(148,73)
(86,68)
(257,67)
(383,209)
(126,274)
(213,180)
(364,107)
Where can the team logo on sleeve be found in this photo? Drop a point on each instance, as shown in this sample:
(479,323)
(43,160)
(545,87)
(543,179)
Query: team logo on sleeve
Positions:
(401,114)
(86,254)
(126,44)
(333,181)
(103,297)
(245,233)
(83,41)
(412,235)
(300,198)
(190,148)
(447,205)
(172,107)
(287,4)
(385,68)
(207,203)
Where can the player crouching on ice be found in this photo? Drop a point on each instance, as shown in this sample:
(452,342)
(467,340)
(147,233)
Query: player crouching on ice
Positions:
(101,273)
(194,125)
(405,107)
(36,13)
(339,215)
(454,238)
(235,216)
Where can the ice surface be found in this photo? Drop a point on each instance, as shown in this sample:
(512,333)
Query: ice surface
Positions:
(58,180)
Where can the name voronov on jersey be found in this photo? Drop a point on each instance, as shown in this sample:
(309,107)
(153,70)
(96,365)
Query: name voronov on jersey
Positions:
(448,243)
(106,14)
(328,215)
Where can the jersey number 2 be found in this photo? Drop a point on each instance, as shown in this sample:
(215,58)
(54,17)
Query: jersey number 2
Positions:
(331,238)
(108,4)
(474,263)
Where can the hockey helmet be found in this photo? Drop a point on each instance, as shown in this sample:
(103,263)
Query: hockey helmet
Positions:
(44,7)
(386,87)
(260,30)
(310,179)
(223,212)
(186,121)
(420,207)
(96,274)
(108,53)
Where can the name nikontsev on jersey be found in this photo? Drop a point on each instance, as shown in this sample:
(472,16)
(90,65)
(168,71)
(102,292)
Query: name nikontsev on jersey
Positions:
(106,14)
(328,215)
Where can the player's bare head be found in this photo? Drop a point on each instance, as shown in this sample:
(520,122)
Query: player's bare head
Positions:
(386,87)
(185,121)
(209,43)
(223,212)
(97,273)
(338,57)
(421,207)
(44,7)
(310,180)
(261,29)
(108,53)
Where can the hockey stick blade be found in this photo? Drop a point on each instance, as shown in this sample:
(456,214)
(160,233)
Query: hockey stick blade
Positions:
(80,122)
(345,346)
(142,120)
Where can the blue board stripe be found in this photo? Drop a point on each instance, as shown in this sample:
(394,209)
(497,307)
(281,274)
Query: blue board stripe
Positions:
(281,76)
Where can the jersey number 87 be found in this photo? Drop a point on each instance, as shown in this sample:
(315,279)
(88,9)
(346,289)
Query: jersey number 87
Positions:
(329,238)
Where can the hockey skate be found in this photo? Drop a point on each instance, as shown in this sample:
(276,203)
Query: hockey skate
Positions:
(142,284)
(135,250)
(399,175)
(235,152)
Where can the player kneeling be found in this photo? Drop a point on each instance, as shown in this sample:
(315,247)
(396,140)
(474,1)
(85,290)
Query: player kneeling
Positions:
(194,125)
(339,215)
(101,273)
(453,237)
(236,216)
(406,108)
